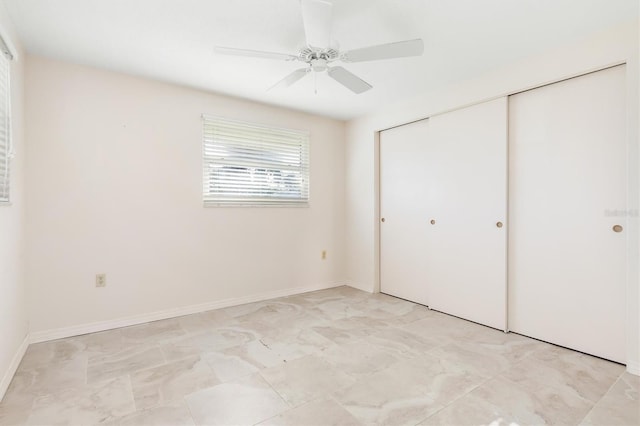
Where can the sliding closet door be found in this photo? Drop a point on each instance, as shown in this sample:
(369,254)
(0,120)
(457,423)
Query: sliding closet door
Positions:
(403,210)
(567,207)
(466,209)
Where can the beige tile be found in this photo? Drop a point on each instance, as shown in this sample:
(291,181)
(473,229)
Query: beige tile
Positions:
(213,340)
(310,300)
(205,321)
(543,406)
(275,312)
(292,342)
(620,405)
(154,332)
(52,378)
(384,297)
(350,329)
(402,342)
(223,338)
(381,306)
(342,291)
(589,376)
(266,312)
(170,382)
(102,343)
(239,361)
(408,392)
(300,320)
(316,298)
(246,401)
(408,314)
(338,356)
(378,303)
(229,368)
(470,410)
(127,361)
(360,358)
(322,412)
(512,347)
(47,353)
(305,379)
(585,376)
(256,353)
(92,404)
(329,304)
(177,349)
(17,402)
(242,310)
(443,328)
(46,368)
(13,415)
(334,304)
(474,358)
(174,414)
(16,405)
(337,309)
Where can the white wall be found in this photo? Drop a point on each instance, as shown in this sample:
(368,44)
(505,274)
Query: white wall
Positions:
(620,44)
(115,187)
(13,310)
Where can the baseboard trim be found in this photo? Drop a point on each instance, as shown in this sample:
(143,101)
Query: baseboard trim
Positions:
(13,367)
(77,330)
(633,367)
(358,286)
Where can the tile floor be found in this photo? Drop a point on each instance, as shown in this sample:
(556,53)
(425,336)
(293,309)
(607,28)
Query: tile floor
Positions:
(332,357)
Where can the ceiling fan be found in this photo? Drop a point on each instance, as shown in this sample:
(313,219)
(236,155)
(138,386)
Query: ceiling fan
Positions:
(319,53)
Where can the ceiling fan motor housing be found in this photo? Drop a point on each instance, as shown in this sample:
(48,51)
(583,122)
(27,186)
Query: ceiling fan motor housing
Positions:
(318,58)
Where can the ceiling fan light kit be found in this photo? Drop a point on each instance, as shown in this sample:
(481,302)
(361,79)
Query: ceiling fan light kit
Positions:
(319,54)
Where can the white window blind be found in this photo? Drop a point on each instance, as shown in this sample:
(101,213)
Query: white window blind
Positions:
(251,164)
(5,125)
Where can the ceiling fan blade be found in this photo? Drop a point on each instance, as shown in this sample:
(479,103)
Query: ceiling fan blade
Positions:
(291,78)
(400,49)
(254,53)
(349,80)
(316,16)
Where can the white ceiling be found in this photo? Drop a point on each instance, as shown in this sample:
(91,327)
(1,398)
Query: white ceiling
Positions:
(173,40)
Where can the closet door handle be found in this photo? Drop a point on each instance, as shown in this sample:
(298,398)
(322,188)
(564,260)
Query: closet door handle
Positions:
(617,228)
(499,224)
(382,220)
(432,221)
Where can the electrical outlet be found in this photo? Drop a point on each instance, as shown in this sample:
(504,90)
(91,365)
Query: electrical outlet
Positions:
(324,254)
(101,280)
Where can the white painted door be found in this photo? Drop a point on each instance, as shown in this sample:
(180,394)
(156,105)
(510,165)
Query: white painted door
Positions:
(567,191)
(466,200)
(403,211)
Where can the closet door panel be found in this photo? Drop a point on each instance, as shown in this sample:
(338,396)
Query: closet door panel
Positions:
(467,187)
(568,186)
(402,206)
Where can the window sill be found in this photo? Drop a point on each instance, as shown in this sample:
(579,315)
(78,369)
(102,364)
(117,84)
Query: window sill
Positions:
(213,204)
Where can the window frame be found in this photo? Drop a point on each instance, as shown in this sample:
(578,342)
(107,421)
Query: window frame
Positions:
(291,139)
(6,145)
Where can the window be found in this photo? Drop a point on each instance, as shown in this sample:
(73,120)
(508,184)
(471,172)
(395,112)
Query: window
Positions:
(5,121)
(254,165)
